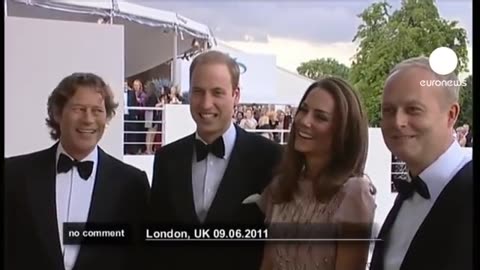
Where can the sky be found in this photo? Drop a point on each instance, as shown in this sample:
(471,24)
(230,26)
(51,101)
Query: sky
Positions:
(295,31)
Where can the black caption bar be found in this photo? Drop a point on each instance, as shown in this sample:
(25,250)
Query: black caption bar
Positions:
(114,234)
(274,232)
(96,234)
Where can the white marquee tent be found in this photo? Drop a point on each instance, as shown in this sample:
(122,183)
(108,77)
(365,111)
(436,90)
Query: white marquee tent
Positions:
(152,36)
(288,86)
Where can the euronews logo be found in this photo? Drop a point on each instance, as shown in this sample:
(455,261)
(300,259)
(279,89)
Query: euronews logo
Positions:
(443,61)
(442,83)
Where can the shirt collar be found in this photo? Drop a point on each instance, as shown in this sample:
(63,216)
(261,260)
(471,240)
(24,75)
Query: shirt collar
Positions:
(229,138)
(441,171)
(93,156)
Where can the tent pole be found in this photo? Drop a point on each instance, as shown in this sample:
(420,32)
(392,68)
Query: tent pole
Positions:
(5,6)
(173,66)
(112,11)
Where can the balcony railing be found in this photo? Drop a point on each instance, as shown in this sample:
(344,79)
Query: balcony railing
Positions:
(143,129)
(136,130)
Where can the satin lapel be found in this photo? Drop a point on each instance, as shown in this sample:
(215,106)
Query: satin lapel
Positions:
(387,224)
(179,175)
(102,200)
(378,252)
(230,191)
(41,186)
(102,204)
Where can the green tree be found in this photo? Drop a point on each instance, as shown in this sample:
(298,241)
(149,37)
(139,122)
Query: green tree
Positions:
(316,69)
(466,103)
(386,39)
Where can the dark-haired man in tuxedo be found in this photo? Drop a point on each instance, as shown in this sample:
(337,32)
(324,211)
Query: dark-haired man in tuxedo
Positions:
(72,181)
(204,178)
(430,224)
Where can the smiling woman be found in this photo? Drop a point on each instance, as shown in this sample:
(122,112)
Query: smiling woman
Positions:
(322,177)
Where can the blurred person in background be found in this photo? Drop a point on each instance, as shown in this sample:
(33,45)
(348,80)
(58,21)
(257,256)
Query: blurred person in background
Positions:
(141,97)
(130,115)
(283,125)
(274,124)
(454,133)
(272,119)
(288,116)
(264,123)
(461,136)
(152,100)
(239,118)
(248,122)
(263,115)
(468,135)
(175,95)
(139,92)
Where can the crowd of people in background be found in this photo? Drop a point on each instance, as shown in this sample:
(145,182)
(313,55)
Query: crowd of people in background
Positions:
(143,127)
(463,135)
(255,118)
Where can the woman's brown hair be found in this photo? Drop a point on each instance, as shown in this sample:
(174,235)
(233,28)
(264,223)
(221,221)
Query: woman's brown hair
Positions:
(349,149)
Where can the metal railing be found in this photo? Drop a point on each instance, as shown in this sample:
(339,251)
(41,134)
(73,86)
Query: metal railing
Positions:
(135,130)
(142,125)
(281,132)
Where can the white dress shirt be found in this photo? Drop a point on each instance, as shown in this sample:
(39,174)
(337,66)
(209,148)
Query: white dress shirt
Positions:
(414,210)
(73,196)
(208,173)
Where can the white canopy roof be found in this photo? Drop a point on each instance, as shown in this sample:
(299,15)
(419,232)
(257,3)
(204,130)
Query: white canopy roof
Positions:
(126,10)
(149,33)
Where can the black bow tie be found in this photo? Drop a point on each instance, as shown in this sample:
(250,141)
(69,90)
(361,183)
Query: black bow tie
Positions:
(406,189)
(65,164)
(217,148)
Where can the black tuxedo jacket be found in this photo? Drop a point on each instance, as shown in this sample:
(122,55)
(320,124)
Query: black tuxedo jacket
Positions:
(444,241)
(120,195)
(249,171)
